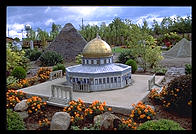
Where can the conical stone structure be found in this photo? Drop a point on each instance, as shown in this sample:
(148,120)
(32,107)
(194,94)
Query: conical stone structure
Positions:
(69,43)
(182,49)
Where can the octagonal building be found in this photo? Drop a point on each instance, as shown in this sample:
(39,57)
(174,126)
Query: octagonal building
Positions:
(97,71)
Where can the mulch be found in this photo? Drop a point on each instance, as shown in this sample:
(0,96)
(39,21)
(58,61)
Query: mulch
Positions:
(186,122)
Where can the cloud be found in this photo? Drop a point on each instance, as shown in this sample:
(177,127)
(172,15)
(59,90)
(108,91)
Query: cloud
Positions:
(149,18)
(13,34)
(83,11)
(16,30)
(16,26)
(49,21)
(47,9)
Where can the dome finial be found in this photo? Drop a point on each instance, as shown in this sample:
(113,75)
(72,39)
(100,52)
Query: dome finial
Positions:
(98,37)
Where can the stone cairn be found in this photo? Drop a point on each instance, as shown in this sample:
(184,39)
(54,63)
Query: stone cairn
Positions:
(68,43)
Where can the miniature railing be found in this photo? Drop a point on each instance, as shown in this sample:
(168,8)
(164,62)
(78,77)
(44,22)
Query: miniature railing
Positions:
(81,87)
(152,84)
(61,95)
(56,74)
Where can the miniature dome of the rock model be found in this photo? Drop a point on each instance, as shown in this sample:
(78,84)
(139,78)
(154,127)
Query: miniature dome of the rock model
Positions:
(97,48)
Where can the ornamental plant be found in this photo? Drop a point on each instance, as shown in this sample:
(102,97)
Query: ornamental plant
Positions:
(133,65)
(127,124)
(155,96)
(14,122)
(44,73)
(161,124)
(188,68)
(15,58)
(32,80)
(34,55)
(11,80)
(76,111)
(96,108)
(44,123)
(171,38)
(51,58)
(142,112)
(178,96)
(13,97)
(23,83)
(35,105)
(78,59)
(19,72)
(14,86)
(125,55)
(59,67)
(80,113)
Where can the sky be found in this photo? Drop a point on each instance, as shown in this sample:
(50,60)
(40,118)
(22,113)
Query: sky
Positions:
(43,16)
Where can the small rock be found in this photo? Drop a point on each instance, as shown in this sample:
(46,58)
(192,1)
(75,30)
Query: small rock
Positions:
(21,106)
(60,121)
(107,121)
(23,115)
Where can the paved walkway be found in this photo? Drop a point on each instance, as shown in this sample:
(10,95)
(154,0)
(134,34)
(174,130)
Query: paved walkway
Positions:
(119,99)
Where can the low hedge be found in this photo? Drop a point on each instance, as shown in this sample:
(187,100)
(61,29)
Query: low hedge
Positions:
(14,122)
(161,124)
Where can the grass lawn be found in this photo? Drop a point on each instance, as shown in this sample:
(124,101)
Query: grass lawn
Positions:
(117,49)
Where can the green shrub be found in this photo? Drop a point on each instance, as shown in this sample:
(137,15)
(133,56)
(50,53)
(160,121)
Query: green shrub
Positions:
(124,56)
(27,53)
(11,80)
(133,65)
(19,72)
(51,58)
(78,59)
(161,124)
(179,95)
(16,58)
(176,96)
(59,67)
(14,122)
(34,55)
(159,70)
(188,68)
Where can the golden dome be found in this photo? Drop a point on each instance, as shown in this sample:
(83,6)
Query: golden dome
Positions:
(97,48)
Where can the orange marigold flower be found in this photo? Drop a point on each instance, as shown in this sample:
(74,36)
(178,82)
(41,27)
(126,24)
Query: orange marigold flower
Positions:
(142,116)
(148,117)
(139,112)
(146,110)
(109,109)
(140,102)
(132,115)
(133,105)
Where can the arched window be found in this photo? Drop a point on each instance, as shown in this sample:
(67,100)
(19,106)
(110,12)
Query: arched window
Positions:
(104,61)
(98,61)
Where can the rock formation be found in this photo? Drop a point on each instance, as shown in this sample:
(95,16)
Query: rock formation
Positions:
(182,49)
